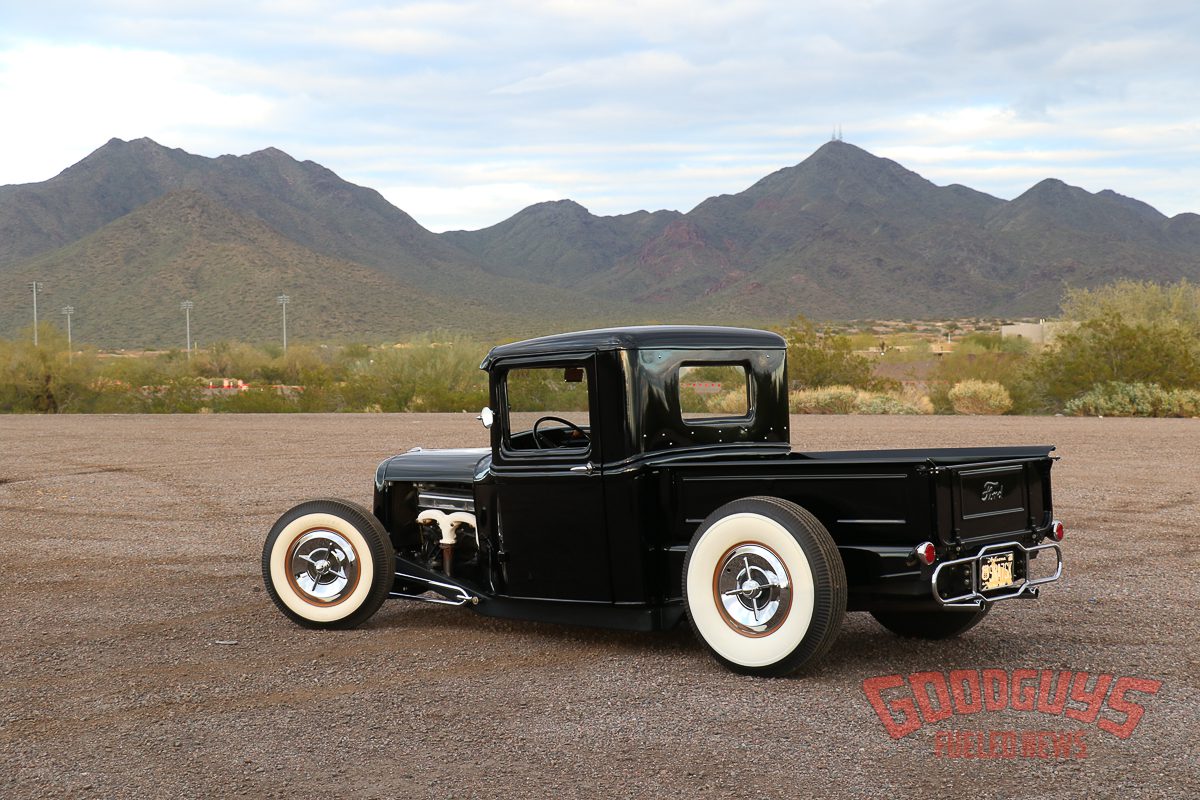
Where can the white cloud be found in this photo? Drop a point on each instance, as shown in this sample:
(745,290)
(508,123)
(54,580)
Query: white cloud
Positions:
(466,206)
(609,72)
(64,101)
(475,108)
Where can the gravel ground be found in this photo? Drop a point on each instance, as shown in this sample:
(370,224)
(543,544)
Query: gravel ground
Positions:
(142,658)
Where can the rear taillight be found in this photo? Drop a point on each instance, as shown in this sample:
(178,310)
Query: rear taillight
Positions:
(925,553)
(1057,531)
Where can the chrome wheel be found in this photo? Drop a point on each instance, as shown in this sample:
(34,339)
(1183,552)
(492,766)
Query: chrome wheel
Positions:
(752,589)
(323,566)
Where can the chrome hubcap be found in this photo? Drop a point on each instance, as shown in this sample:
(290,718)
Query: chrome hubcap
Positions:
(323,566)
(752,588)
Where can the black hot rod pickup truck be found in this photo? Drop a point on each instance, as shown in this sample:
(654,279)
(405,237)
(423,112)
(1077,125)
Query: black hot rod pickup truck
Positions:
(661,484)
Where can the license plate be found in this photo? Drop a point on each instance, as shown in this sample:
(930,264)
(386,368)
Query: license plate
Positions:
(996,572)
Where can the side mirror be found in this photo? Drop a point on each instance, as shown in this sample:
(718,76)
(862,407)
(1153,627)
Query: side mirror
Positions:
(486,416)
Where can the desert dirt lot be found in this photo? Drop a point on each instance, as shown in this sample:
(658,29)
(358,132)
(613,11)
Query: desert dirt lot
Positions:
(142,658)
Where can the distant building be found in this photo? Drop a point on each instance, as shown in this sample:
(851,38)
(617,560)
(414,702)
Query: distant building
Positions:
(1040,333)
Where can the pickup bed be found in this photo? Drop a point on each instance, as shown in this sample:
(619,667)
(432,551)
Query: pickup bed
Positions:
(614,493)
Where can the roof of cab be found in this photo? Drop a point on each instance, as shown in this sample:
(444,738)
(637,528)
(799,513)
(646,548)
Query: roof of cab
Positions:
(642,337)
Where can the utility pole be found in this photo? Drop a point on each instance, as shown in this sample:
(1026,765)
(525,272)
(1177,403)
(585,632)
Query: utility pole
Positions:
(283,301)
(67,312)
(187,306)
(37,287)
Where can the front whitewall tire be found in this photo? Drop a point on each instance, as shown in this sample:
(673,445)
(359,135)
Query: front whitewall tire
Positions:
(328,564)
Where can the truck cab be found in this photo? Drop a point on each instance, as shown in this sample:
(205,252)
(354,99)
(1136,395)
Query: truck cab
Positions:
(635,476)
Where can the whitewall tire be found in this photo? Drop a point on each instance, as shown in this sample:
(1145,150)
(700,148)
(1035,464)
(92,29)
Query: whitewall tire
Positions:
(328,564)
(764,586)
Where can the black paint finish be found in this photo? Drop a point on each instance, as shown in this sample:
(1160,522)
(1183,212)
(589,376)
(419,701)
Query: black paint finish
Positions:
(597,535)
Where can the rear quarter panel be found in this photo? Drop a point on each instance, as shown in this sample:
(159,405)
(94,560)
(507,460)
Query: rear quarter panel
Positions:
(876,511)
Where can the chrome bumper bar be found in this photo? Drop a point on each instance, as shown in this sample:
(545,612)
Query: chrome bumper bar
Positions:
(975,598)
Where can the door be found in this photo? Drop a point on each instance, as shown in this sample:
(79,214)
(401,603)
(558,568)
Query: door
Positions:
(549,485)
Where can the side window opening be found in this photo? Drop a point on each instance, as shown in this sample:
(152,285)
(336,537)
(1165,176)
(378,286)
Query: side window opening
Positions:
(713,391)
(555,401)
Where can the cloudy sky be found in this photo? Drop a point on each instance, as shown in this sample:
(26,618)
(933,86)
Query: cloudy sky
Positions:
(462,113)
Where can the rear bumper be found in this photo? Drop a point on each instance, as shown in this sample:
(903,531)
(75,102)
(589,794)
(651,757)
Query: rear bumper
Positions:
(966,574)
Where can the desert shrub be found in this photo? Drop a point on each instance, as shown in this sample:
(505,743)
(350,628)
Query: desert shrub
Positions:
(1128,332)
(422,375)
(173,395)
(1116,399)
(980,397)
(254,401)
(1114,350)
(990,359)
(823,359)
(318,398)
(848,400)
(730,402)
(917,399)
(869,403)
(1138,301)
(826,400)
(45,378)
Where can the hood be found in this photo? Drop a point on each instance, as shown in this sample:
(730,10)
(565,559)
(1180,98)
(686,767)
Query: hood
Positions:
(459,465)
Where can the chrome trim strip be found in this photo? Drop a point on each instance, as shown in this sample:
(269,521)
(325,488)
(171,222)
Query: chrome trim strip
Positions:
(445,502)
(872,521)
(881,476)
(975,598)
(992,469)
(460,598)
(997,513)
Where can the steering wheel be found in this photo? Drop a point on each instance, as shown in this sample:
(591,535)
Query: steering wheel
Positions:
(542,443)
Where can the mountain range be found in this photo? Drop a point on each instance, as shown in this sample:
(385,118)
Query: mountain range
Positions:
(134,228)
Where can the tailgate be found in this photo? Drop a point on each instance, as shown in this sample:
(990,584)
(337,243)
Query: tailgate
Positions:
(990,501)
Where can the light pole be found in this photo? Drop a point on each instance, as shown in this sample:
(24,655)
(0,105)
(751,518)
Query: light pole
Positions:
(67,312)
(37,287)
(283,301)
(187,306)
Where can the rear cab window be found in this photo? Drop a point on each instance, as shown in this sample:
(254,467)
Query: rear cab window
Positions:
(713,392)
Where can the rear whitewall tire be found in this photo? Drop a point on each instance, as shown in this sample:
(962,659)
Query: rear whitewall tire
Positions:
(352,564)
(764,586)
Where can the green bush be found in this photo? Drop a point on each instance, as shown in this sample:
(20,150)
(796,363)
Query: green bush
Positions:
(1174,304)
(1135,400)
(989,359)
(848,400)
(730,402)
(822,358)
(980,397)
(827,400)
(46,378)
(1114,350)
(886,404)
(254,401)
